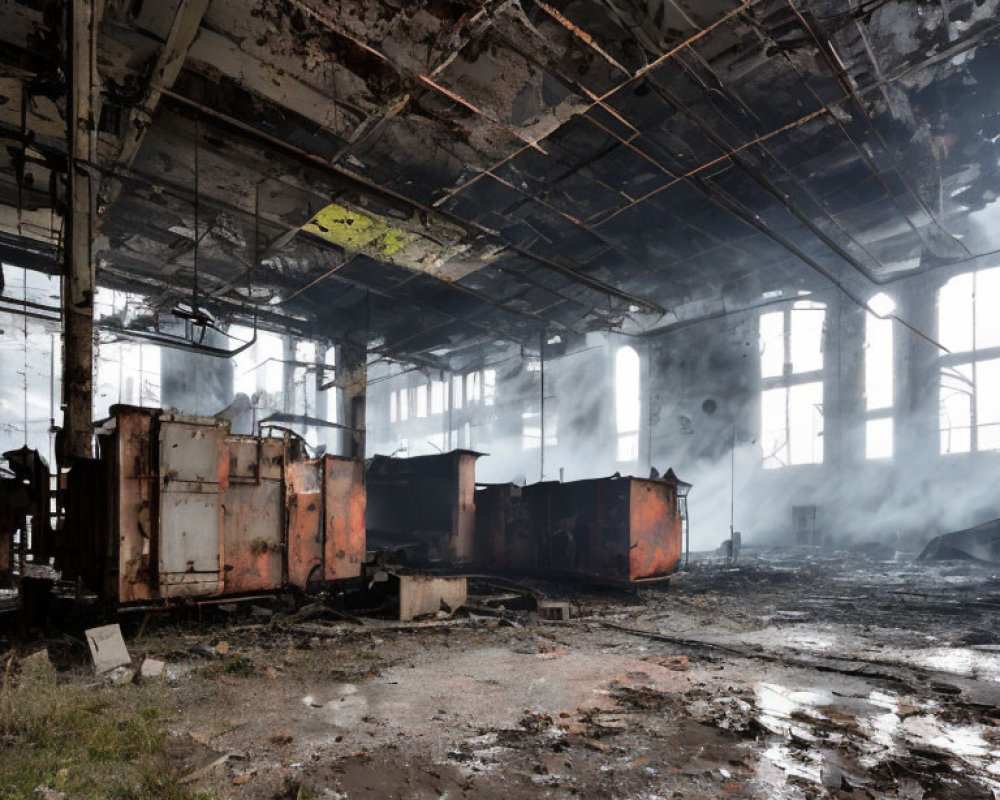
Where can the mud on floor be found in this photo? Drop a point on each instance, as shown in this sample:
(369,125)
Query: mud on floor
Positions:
(758,684)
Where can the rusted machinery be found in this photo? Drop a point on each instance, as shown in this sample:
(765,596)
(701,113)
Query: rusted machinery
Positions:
(178,508)
(615,530)
(425,504)
(25,515)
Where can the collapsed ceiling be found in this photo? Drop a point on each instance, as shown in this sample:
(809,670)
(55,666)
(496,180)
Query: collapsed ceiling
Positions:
(436,177)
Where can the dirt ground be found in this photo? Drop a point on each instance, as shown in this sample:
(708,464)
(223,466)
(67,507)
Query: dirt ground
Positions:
(803,677)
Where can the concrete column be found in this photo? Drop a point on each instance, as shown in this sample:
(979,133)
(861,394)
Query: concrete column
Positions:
(79,277)
(844,411)
(917,372)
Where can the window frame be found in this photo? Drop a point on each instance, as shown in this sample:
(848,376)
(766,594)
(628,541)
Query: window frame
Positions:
(788,380)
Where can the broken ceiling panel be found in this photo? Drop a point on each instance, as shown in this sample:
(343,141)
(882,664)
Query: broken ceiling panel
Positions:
(433,245)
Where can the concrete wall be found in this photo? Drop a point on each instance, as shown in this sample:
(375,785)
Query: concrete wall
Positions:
(706,394)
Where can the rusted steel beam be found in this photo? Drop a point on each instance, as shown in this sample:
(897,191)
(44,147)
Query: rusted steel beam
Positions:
(79,278)
(183,30)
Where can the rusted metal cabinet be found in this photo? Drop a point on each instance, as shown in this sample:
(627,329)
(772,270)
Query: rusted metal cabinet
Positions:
(426,502)
(618,530)
(196,512)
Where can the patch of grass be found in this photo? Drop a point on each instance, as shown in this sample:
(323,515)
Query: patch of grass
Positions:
(86,742)
(234,665)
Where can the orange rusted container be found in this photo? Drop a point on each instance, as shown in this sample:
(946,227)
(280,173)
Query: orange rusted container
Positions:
(615,530)
(195,512)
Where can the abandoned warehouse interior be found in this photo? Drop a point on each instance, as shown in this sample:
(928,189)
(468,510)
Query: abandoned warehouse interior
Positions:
(500,398)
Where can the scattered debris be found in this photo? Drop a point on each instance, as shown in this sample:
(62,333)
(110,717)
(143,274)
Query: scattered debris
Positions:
(553,609)
(152,668)
(981,543)
(426,595)
(107,648)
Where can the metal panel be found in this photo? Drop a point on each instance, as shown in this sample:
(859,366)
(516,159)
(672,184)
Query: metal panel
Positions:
(244,459)
(253,517)
(253,525)
(344,489)
(193,463)
(463,543)
(135,521)
(305,522)
(655,530)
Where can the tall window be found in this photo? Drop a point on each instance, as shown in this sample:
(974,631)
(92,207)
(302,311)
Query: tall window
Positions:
(628,403)
(879,379)
(127,371)
(439,400)
(421,399)
(791,362)
(473,388)
(969,326)
(489,386)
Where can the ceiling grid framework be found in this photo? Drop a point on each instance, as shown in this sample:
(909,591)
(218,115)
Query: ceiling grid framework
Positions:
(574,164)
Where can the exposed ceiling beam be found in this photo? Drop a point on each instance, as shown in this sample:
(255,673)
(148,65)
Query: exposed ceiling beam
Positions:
(183,31)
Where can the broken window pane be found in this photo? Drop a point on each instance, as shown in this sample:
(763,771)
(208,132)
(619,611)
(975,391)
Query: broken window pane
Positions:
(806,339)
(792,425)
(956,409)
(628,403)
(988,404)
(878,438)
(473,388)
(437,397)
(628,447)
(489,386)
(421,392)
(987,296)
(456,392)
(878,363)
(774,427)
(805,423)
(955,320)
(772,344)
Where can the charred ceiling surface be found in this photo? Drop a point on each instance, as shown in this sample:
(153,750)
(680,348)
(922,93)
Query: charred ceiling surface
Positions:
(437,176)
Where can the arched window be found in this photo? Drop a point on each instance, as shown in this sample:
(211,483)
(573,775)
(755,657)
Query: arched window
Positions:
(628,403)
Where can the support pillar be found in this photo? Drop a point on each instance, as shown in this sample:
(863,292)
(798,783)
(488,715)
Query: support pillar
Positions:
(79,276)
(352,377)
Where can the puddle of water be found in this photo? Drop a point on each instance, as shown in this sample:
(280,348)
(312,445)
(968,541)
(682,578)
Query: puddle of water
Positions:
(878,728)
(958,661)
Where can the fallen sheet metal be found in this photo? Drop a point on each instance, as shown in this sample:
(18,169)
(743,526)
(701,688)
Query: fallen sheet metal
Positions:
(981,543)
(423,595)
